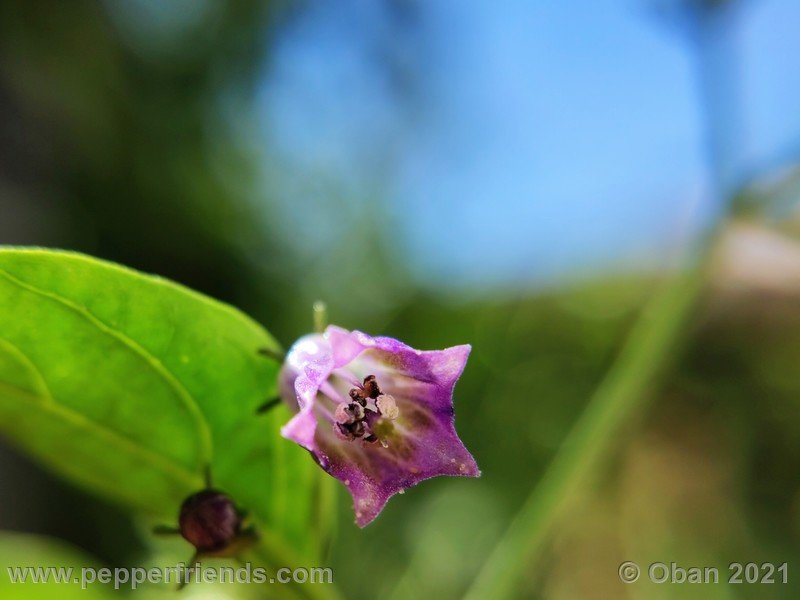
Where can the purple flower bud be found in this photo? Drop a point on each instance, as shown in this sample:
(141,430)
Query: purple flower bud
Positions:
(209,520)
(375,413)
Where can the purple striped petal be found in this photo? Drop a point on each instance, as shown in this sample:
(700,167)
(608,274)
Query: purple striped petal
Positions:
(375,413)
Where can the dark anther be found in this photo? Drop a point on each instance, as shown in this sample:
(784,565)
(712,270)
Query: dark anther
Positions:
(358,428)
(370,387)
(355,419)
(343,430)
(357,395)
(348,413)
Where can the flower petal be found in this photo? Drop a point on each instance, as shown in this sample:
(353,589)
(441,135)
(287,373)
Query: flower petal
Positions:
(419,444)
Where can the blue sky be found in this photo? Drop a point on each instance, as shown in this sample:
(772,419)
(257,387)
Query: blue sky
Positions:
(516,142)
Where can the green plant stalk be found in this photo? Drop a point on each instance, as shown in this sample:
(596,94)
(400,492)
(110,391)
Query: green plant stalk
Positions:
(644,357)
(327,502)
(274,557)
(653,341)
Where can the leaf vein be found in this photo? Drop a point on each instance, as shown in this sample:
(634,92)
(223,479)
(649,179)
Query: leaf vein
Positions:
(114,437)
(204,431)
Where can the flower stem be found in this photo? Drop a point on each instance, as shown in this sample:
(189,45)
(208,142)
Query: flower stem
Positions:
(654,339)
(320,310)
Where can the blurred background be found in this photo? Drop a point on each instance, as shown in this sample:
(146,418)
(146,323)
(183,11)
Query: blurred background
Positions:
(515,175)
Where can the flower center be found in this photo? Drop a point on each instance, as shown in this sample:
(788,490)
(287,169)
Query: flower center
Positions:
(357,419)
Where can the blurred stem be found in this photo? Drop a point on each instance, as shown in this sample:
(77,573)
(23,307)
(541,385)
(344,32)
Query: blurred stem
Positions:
(320,310)
(654,339)
(645,355)
(274,556)
(326,492)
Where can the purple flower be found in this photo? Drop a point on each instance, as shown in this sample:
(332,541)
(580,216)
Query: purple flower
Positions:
(375,413)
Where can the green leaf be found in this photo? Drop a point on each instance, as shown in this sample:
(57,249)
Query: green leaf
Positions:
(18,551)
(130,385)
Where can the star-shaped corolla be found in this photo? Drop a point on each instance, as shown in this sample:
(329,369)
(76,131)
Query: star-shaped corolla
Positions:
(375,413)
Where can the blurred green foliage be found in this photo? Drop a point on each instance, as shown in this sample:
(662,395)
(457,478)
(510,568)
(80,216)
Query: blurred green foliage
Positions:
(133,387)
(117,144)
(21,549)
